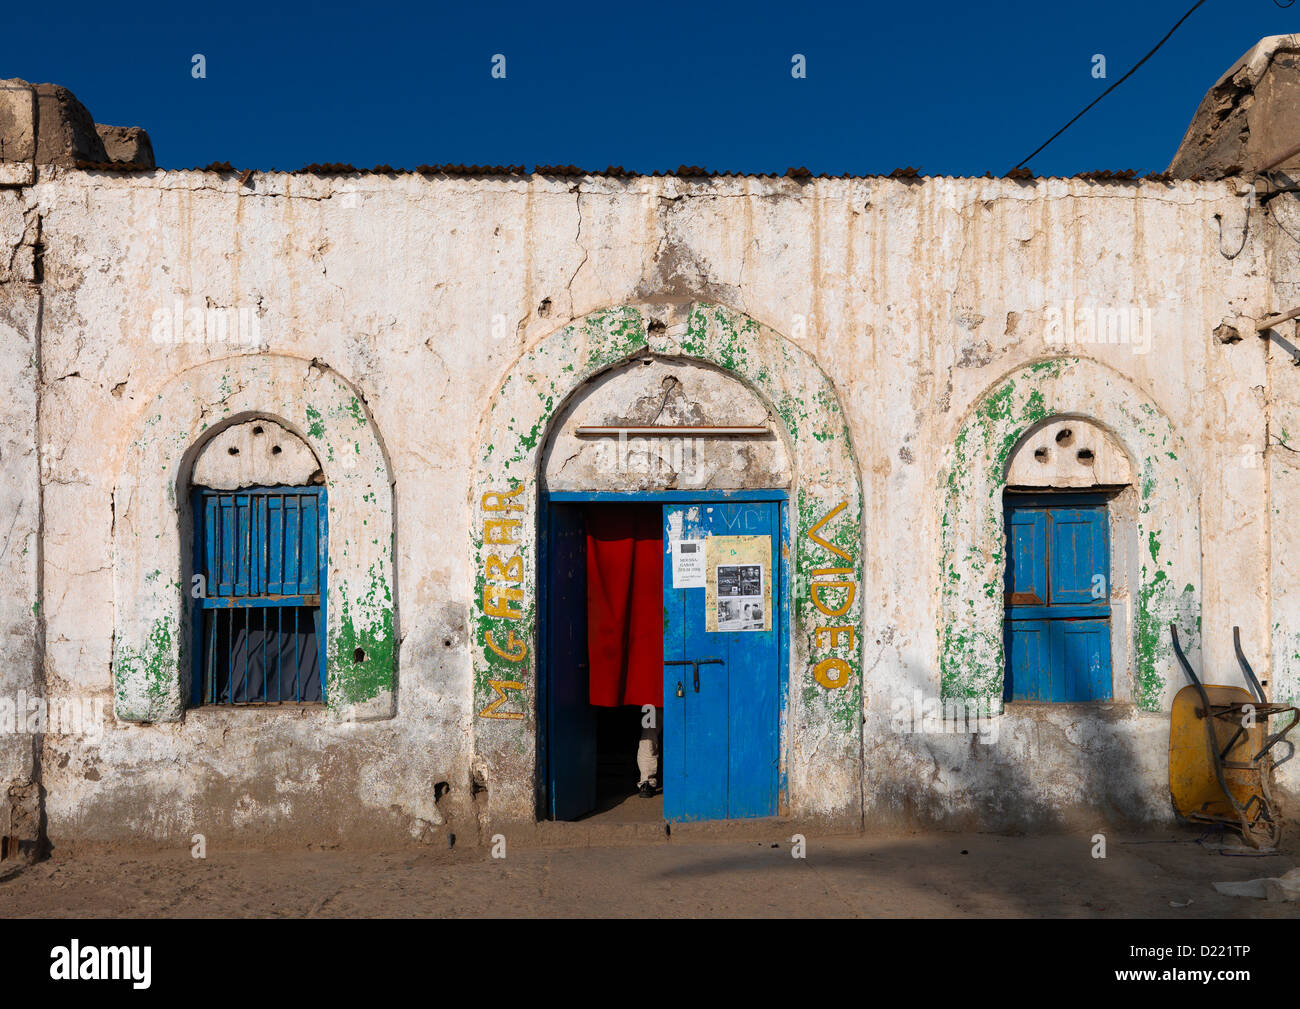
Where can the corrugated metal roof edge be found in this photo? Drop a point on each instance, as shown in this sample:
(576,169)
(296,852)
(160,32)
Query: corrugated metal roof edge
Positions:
(573,171)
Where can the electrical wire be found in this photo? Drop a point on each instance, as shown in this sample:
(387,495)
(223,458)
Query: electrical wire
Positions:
(1285,230)
(1268,177)
(1245,234)
(1117,83)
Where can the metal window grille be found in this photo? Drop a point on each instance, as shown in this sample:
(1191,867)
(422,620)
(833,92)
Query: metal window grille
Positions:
(259,629)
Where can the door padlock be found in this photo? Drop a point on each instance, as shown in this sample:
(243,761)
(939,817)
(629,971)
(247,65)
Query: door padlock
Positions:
(680,692)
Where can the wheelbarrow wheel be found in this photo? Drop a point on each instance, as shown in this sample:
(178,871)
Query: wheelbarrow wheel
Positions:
(1263,832)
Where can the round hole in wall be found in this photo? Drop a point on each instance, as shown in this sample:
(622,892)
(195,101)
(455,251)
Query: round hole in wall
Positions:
(446,642)
(1040,454)
(1064,436)
(1085,456)
(257,430)
(359,655)
(276,450)
(232,450)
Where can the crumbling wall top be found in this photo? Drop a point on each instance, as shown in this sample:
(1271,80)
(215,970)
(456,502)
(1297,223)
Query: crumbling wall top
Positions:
(1249,118)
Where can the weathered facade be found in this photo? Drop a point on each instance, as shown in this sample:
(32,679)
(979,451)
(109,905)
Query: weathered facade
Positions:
(426,346)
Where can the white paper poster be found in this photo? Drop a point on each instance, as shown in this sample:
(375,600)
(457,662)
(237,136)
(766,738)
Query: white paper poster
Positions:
(688,564)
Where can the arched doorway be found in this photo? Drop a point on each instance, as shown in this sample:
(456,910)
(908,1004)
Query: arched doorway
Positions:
(819,760)
(663,513)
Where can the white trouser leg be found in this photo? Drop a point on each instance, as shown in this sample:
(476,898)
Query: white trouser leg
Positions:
(647,752)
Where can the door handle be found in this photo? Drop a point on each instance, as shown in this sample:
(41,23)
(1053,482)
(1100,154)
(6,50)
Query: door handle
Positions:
(695,668)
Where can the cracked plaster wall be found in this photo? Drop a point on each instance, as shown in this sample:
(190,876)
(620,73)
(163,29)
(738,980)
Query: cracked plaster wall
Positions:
(20,502)
(1278,453)
(916,298)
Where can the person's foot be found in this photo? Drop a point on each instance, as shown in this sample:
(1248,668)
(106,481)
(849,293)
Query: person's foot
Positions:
(646,790)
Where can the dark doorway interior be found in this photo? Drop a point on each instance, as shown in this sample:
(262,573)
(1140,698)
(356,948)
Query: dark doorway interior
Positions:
(617,731)
(591,757)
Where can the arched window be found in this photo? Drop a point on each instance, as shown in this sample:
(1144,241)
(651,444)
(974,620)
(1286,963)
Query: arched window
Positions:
(260,550)
(1057,508)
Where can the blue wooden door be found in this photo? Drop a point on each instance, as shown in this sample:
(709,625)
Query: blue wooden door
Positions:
(1057,629)
(721,748)
(570,720)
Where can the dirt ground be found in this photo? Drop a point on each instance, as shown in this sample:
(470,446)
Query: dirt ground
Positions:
(1164,874)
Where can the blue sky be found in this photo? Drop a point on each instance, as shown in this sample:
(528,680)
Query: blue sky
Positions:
(956,88)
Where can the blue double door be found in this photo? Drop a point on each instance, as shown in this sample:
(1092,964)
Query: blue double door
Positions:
(1057,627)
(720,757)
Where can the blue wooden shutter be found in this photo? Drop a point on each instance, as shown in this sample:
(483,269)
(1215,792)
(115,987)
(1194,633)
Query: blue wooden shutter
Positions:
(275,544)
(308,560)
(1027,544)
(1057,627)
(1079,555)
(1081,660)
(1028,660)
(260,544)
(242,545)
(262,553)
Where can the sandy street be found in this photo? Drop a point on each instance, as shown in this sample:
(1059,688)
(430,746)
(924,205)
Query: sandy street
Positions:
(903,875)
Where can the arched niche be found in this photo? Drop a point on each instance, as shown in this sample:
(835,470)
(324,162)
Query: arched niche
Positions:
(256,452)
(823,711)
(647,426)
(1162,553)
(1063,455)
(1068,453)
(151,530)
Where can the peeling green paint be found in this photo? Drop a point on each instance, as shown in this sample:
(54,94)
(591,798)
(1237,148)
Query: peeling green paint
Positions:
(972,540)
(797,391)
(151,640)
(362,652)
(147,677)
(316,424)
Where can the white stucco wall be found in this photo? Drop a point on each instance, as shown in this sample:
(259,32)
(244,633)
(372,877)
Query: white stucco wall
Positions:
(916,298)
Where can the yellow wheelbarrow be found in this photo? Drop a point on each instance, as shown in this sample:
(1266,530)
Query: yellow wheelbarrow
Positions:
(1221,752)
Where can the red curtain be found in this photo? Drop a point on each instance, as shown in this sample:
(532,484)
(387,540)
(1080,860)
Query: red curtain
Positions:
(625,604)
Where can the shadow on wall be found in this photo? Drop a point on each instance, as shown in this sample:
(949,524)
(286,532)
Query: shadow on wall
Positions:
(1035,768)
